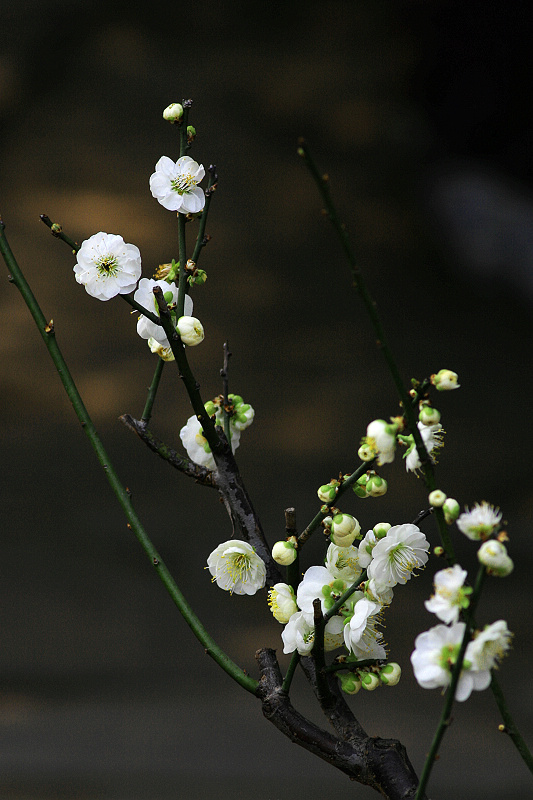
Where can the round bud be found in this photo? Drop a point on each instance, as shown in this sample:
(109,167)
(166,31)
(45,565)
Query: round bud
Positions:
(451,509)
(284,553)
(381,529)
(350,683)
(366,452)
(445,380)
(376,486)
(391,673)
(173,112)
(344,524)
(429,415)
(190,330)
(191,133)
(359,486)
(369,681)
(493,555)
(327,492)
(436,498)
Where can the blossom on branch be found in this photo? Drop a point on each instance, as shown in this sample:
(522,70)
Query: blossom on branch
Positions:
(236,567)
(398,554)
(196,444)
(174,184)
(432,439)
(107,266)
(145,297)
(479,523)
(449,597)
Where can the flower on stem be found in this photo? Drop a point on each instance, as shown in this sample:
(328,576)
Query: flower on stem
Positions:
(451,510)
(190,330)
(163,352)
(343,563)
(489,646)
(197,446)
(445,380)
(450,596)
(434,657)
(282,602)
(363,612)
(236,567)
(145,297)
(398,554)
(107,266)
(174,184)
(173,112)
(284,553)
(432,439)
(480,522)
(344,529)
(493,555)
(370,540)
(319,583)
(381,437)
(390,674)
(298,634)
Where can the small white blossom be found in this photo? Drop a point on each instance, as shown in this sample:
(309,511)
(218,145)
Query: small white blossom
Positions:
(282,602)
(378,593)
(493,555)
(174,184)
(145,297)
(343,563)
(365,548)
(432,439)
(236,567)
(449,597)
(434,656)
(344,529)
(107,266)
(489,646)
(284,553)
(298,634)
(196,444)
(394,557)
(163,352)
(190,330)
(445,380)
(319,583)
(480,522)
(381,437)
(356,624)
(173,112)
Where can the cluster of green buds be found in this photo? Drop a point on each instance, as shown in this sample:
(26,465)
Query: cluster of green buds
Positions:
(370,678)
(370,485)
(241,413)
(170,272)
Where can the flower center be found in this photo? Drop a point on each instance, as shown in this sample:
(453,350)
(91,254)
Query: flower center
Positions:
(237,565)
(183,183)
(107,265)
(401,557)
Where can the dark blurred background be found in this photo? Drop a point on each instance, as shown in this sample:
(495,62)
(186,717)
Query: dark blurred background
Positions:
(420,114)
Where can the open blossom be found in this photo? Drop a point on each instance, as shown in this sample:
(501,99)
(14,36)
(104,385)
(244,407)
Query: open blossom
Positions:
(480,522)
(174,184)
(299,634)
(319,583)
(196,444)
(355,628)
(282,602)
(145,297)
(434,656)
(449,597)
(236,567)
(343,563)
(394,557)
(489,646)
(107,266)
(432,439)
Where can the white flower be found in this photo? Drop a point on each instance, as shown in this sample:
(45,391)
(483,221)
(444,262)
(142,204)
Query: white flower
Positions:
(284,553)
(107,266)
(196,444)
(449,595)
(432,439)
(445,380)
(365,548)
(380,594)
(191,331)
(435,654)
(344,529)
(298,634)
(173,112)
(354,629)
(343,563)
(480,522)
(236,567)
(489,646)
(493,555)
(381,436)
(282,602)
(145,297)
(163,352)
(174,184)
(319,583)
(394,557)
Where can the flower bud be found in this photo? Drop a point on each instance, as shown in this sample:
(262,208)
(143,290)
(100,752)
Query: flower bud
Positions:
(359,486)
(350,683)
(327,492)
(381,529)
(190,330)
(445,380)
(366,452)
(191,133)
(282,602)
(493,555)
(345,524)
(163,352)
(173,112)
(376,486)
(429,415)
(451,510)
(284,553)
(436,498)
(243,417)
(391,673)
(211,408)
(369,681)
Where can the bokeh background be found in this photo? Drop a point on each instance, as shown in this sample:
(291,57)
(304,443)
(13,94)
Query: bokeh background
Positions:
(419,113)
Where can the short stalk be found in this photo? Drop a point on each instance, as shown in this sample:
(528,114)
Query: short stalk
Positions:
(152,391)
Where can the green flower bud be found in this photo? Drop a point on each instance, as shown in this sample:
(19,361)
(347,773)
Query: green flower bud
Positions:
(436,498)
(376,486)
(199,278)
(381,529)
(445,380)
(284,553)
(173,112)
(429,415)
(451,509)
(235,399)
(350,683)
(359,486)
(211,408)
(493,555)
(391,673)
(169,297)
(327,492)
(366,452)
(369,681)
(191,133)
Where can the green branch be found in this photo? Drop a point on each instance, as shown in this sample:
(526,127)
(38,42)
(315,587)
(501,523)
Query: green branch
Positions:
(46,329)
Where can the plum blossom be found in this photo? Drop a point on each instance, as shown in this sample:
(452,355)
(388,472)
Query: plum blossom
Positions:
(381,437)
(319,583)
(145,297)
(397,554)
(107,266)
(236,567)
(360,635)
(449,597)
(489,646)
(480,522)
(343,563)
(174,184)
(196,444)
(432,439)
(298,634)
(282,602)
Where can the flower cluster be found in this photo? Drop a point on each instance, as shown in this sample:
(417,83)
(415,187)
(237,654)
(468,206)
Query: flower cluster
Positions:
(192,437)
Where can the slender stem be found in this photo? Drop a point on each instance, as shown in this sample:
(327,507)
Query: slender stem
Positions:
(322,183)
(58,232)
(152,391)
(201,240)
(46,329)
(345,596)
(509,726)
(225,390)
(450,693)
(287,680)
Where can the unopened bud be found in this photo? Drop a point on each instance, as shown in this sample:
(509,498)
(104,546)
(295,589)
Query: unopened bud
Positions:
(284,553)
(369,681)
(190,330)
(391,673)
(376,486)
(381,529)
(173,112)
(437,498)
(350,683)
(327,492)
(451,509)
(429,415)
(493,555)
(366,452)
(445,380)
